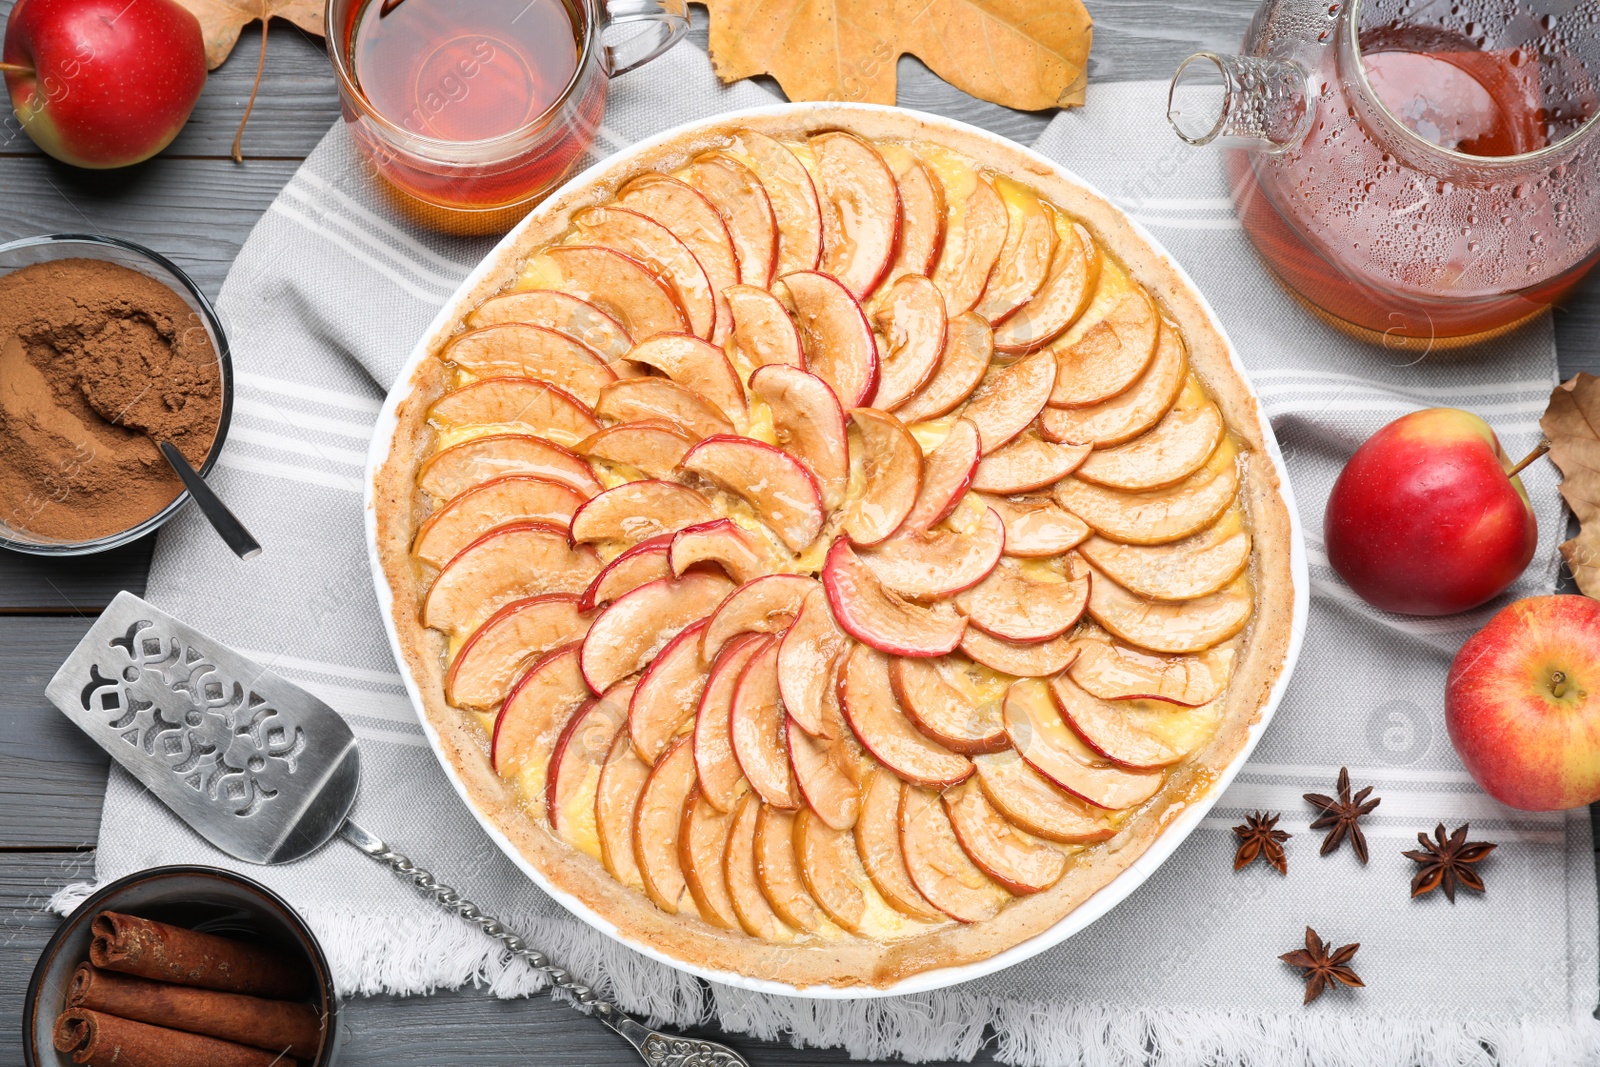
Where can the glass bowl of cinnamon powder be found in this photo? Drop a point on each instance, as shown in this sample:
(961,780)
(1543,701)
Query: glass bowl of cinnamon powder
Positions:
(106,349)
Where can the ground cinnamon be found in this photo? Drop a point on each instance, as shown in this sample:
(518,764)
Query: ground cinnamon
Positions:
(97,363)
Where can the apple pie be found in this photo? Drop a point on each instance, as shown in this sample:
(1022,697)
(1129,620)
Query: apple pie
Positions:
(831,546)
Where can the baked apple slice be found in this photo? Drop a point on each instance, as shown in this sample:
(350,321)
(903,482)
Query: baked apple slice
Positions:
(573,781)
(616,801)
(870,613)
(1036,659)
(641,399)
(793,196)
(637,511)
(1107,729)
(778,487)
(974,234)
(1018,862)
(668,693)
(910,319)
(834,334)
(506,564)
(1064,297)
(702,842)
(721,780)
(741,555)
(808,655)
(757,729)
(1009,398)
(831,869)
(697,224)
(1111,354)
(860,210)
(1129,414)
(1112,672)
(698,366)
(1025,258)
(1036,527)
(1175,448)
(763,332)
(625,289)
(1008,604)
(750,906)
(535,712)
(764,605)
(778,872)
(947,473)
(514,498)
(559,311)
(891,463)
(1168,625)
(1179,570)
(826,771)
(539,407)
(1053,750)
(1029,800)
(877,834)
(936,564)
(653,446)
(482,671)
(627,634)
(1156,516)
(517,350)
(647,561)
(739,197)
(943,712)
(883,729)
(938,865)
(1029,462)
(921,212)
(809,424)
(657,818)
(968,347)
(454,470)
(652,244)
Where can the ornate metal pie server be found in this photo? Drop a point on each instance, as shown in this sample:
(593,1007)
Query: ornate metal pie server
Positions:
(266,771)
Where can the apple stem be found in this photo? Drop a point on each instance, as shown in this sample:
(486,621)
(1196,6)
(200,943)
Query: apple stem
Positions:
(16,68)
(1544,446)
(261,65)
(1559,687)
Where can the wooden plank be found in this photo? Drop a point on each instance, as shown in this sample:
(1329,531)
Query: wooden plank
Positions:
(52,778)
(75,585)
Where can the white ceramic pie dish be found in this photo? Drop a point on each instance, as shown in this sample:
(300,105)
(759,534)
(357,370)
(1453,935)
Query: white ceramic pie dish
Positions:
(1097,905)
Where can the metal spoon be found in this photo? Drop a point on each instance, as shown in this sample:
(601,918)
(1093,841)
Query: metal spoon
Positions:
(217,514)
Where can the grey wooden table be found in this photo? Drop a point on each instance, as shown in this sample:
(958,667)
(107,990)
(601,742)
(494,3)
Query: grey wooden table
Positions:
(196,206)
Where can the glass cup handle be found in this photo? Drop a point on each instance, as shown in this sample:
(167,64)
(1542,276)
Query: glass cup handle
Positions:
(669,21)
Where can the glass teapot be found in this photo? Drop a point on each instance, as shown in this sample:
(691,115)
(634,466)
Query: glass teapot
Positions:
(1418,171)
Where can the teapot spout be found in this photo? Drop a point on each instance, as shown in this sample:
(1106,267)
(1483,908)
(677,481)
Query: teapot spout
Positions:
(1241,102)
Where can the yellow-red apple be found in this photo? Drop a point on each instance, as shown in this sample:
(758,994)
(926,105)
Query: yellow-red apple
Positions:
(1523,703)
(1424,519)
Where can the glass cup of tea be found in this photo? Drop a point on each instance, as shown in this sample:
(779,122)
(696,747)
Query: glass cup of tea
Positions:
(1423,174)
(473,109)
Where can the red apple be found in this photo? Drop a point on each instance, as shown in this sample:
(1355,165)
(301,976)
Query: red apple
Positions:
(1523,703)
(103,83)
(1424,520)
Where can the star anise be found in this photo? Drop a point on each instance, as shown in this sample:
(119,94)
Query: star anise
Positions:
(1447,862)
(1257,837)
(1342,814)
(1322,964)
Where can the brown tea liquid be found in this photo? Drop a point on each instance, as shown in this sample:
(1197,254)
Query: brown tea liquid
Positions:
(463,70)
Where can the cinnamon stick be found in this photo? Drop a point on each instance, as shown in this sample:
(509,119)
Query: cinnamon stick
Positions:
(166,953)
(99,1040)
(278,1025)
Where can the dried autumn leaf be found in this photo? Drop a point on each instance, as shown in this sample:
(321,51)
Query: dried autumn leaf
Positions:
(221,20)
(1027,54)
(1572,424)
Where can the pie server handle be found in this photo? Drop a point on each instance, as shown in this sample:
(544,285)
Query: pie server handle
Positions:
(656,1048)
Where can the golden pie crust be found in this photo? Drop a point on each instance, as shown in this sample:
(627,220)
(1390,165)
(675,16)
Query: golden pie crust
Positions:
(843,960)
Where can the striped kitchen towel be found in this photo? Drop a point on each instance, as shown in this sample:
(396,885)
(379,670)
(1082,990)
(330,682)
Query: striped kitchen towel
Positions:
(324,304)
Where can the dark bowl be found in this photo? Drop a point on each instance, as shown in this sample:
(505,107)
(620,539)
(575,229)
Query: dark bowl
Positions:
(200,898)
